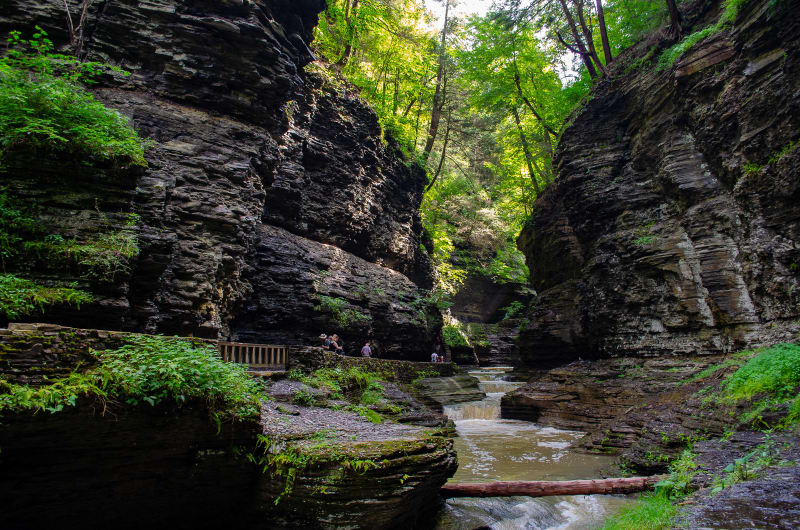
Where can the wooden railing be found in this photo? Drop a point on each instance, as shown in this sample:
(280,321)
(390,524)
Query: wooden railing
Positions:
(258,356)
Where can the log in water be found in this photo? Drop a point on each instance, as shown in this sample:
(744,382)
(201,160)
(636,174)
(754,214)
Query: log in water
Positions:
(546,488)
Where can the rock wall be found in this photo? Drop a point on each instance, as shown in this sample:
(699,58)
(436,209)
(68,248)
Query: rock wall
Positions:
(246,140)
(674,224)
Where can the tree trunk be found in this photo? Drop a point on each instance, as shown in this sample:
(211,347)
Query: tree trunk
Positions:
(444,153)
(587,61)
(348,48)
(675,19)
(436,109)
(601,19)
(526,150)
(589,38)
(546,488)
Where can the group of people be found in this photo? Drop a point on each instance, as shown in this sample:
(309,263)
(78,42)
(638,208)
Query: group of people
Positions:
(334,343)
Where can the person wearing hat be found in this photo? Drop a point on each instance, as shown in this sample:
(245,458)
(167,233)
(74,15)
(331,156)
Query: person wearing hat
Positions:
(326,341)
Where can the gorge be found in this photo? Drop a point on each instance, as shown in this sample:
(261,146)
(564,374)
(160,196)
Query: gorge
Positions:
(278,200)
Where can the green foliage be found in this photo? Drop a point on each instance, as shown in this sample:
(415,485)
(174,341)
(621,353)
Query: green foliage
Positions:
(653,511)
(512,309)
(773,371)
(16,222)
(752,168)
(44,105)
(286,461)
(152,370)
(454,335)
(786,150)
(20,297)
(304,398)
(342,312)
(748,466)
(682,470)
(644,238)
(728,17)
(103,257)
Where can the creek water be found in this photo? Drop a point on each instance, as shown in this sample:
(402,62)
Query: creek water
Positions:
(490,448)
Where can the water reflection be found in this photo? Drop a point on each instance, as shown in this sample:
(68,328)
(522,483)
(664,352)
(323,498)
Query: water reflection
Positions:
(490,448)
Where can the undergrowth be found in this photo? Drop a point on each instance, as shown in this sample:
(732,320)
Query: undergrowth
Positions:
(362,388)
(44,105)
(148,370)
(652,511)
(20,297)
(730,12)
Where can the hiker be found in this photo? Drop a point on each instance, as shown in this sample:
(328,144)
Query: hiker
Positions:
(434,357)
(366,351)
(335,346)
(326,341)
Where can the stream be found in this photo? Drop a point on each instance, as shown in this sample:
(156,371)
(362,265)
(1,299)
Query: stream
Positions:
(490,448)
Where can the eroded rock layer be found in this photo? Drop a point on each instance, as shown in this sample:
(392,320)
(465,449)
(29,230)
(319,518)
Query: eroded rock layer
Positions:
(244,140)
(674,223)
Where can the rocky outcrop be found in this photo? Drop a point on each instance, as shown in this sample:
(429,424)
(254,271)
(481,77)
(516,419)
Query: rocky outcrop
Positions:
(673,226)
(251,151)
(439,391)
(304,288)
(482,303)
(110,462)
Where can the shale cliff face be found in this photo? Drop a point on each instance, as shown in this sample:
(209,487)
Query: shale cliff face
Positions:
(674,224)
(255,160)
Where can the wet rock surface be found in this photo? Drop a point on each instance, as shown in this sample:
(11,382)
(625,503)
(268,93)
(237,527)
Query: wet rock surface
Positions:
(360,474)
(769,499)
(672,227)
(440,391)
(248,138)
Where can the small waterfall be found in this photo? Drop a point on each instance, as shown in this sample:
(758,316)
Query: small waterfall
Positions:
(490,448)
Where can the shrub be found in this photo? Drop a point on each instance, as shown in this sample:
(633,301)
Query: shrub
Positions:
(341,311)
(150,369)
(454,336)
(20,297)
(512,309)
(773,371)
(44,105)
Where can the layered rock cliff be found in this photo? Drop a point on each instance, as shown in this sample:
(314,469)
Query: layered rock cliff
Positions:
(260,167)
(674,224)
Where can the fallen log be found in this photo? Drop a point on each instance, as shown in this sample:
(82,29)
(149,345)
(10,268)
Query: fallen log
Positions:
(546,488)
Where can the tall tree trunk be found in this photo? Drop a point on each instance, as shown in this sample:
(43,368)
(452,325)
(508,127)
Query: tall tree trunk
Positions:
(526,150)
(601,19)
(444,153)
(675,19)
(436,109)
(587,61)
(587,34)
(522,191)
(351,34)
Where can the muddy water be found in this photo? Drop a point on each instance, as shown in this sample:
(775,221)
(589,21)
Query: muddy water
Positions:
(490,448)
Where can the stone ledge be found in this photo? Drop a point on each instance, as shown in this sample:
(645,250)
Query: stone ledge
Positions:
(309,358)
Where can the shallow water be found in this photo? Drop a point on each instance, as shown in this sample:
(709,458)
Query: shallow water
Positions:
(490,448)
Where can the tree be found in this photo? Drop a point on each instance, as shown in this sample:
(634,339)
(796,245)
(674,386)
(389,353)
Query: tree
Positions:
(436,106)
